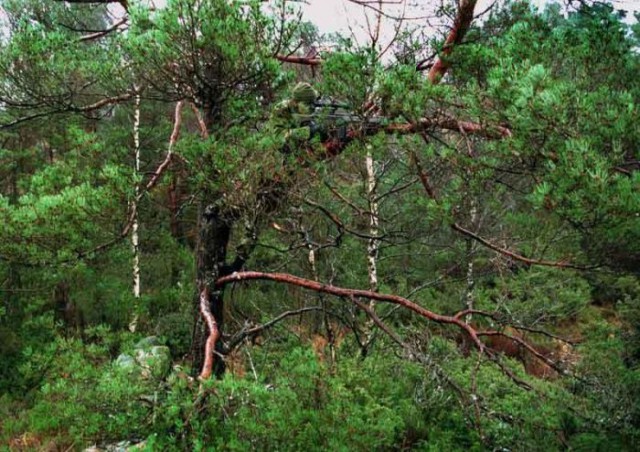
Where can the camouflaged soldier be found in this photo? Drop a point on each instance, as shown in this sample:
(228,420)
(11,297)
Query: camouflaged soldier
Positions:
(294,116)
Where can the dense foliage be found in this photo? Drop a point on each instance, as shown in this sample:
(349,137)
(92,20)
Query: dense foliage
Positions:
(506,184)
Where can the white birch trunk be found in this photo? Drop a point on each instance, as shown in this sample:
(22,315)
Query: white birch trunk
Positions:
(135,239)
(473,213)
(373,244)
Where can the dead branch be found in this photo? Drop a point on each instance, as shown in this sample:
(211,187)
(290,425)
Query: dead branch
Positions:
(70,109)
(455,226)
(521,342)
(204,132)
(424,177)
(239,337)
(383,326)
(340,224)
(148,187)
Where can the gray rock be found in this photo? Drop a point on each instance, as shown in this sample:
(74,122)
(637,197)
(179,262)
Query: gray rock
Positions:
(127,362)
(122,446)
(147,342)
(154,362)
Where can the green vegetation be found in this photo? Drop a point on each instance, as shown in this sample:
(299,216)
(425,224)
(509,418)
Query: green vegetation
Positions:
(441,253)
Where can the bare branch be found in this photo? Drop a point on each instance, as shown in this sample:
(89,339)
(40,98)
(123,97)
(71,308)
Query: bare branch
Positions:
(351,293)
(152,182)
(339,223)
(238,338)
(499,319)
(101,33)
(517,257)
(521,342)
(204,133)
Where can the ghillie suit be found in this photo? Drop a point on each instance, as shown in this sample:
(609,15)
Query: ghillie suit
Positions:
(292,118)
(306,123)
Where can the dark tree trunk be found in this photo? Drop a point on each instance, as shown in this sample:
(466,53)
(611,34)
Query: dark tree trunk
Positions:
(214,232)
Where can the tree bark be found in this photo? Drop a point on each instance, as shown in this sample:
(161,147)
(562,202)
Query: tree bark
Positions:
(135,239)
(214,233)
(351,294)
(373,247)
(461,25)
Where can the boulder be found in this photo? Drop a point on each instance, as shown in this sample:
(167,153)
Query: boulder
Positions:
(147,342)
(155,361)
(127,363)
(122,446)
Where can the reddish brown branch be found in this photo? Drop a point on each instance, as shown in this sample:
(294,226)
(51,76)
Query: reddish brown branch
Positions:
(204,133)
(424,177)
(175,134)
(104,102)
(472,128)
(350,294)
(461,25)
(214,334)
(152,182)
(299,60)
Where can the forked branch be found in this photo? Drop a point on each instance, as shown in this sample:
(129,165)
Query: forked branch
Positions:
(461,25)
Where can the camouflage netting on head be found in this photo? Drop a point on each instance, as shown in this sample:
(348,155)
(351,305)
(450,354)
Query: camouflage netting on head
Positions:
(304,93)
